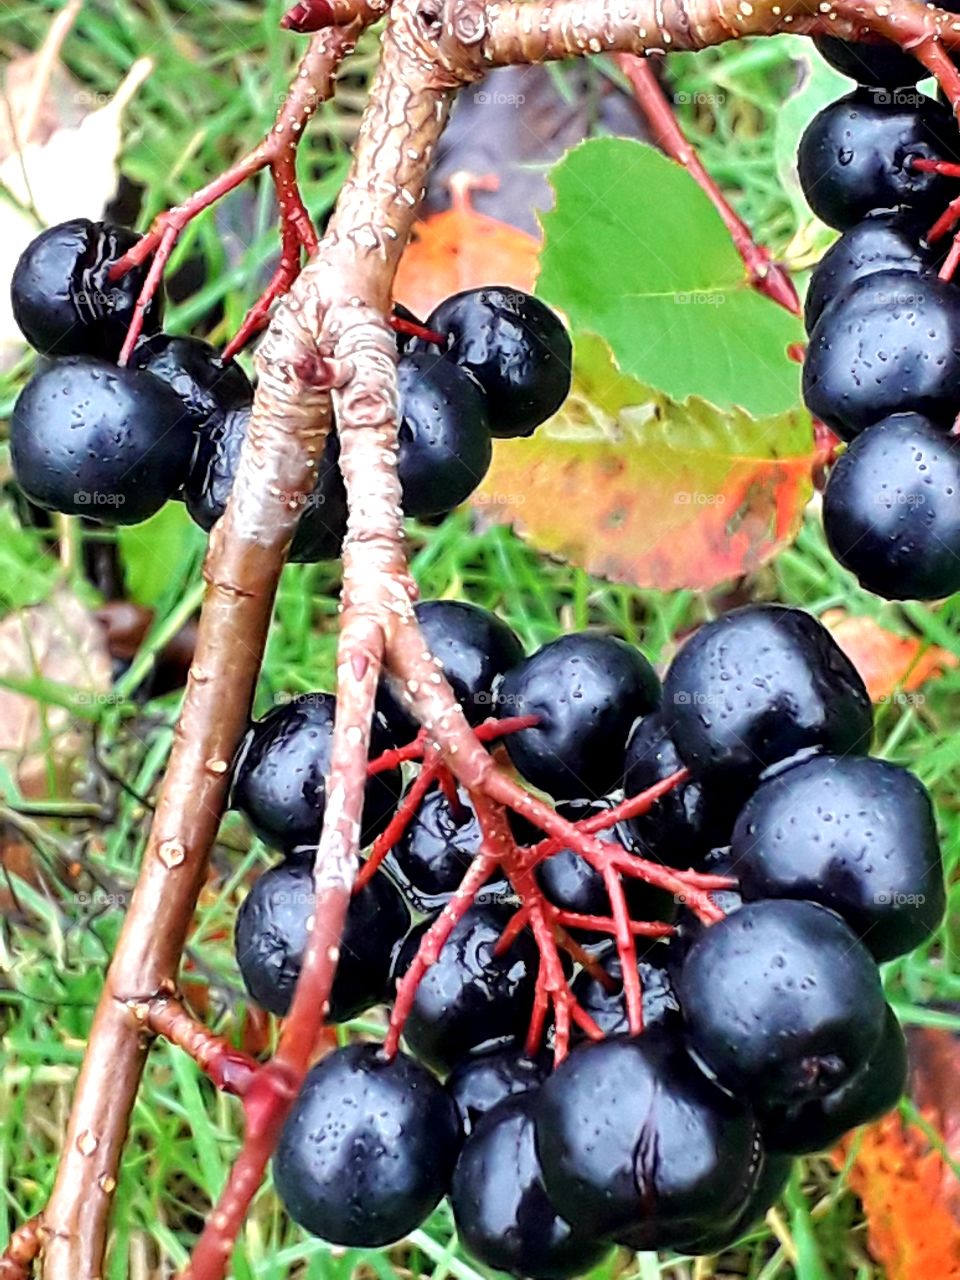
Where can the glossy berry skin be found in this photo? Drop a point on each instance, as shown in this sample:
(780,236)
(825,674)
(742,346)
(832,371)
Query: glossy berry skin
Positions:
(279,781)
(323,524)
(516,348)
(607,1008)
(757,686)
(893,347)
(470,1000)
(882,64)
(481,1081)
(90,439)
(273,927)
(882,242)
(854,157)
(368,1149)
(434,853)
(890,511)
(445,446)
(782,1001)
(635,1141)
(856,835)
(474,648)
(771,1182)
(873,1091)
(686,823)
(572,884)
(689,926)
(502,1211)
(63,300)
(588,690)
(205,383)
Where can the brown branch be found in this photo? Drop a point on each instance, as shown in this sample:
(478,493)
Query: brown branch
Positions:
(766,275)
(247,550)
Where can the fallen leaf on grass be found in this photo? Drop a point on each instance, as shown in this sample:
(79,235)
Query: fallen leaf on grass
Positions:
(887,662)
(462,249)
(910,1193)
(58,641)
(629,484)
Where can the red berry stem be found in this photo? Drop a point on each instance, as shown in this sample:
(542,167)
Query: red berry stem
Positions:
(946,168)
(399,325)
(231,1070)
(489,731)
(406,811)
(606,924)
(433,940)
(948,270)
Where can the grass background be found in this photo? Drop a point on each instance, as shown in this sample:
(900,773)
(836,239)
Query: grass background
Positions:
(220,68)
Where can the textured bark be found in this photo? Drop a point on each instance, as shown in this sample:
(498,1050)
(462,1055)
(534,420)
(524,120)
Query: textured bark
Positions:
(330,338)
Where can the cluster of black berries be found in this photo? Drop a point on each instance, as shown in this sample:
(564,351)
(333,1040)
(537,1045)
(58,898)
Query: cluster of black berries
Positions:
(765,1034)
(92,438)
(883,365)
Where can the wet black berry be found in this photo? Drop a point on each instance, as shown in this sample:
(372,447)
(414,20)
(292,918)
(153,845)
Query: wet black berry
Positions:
(822,1122)
(89,439)
(502,1211)
(434,853)
(205,383)
(876,63)
(757,686)
(635,1141)
(771,1180)
(686,823)
(279,782)
(608,1008)
(782,1001)
(445,446)
(482,1080)
(892,347)
(891,511)
(368,1149)
(856,835)
(588,690)
(470,999)
(474,647)
(855,156)
(516,348)
(273,926)
(882,242)
(569,881)
(320,532)
(63,300)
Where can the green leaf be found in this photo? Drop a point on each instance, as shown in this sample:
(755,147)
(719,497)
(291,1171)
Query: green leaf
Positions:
(160,554)
(635,252)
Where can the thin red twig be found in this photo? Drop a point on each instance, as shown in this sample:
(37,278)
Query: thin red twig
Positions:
(766,275)
(230,1069)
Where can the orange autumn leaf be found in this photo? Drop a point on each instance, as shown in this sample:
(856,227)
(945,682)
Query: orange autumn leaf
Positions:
(887,662)
(628,484)
(461,249)
(910,1194)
